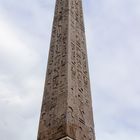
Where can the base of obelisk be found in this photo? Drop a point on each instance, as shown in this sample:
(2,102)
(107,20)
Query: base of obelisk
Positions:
(66,138)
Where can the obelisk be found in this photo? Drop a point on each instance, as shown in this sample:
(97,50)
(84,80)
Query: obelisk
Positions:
(66,112)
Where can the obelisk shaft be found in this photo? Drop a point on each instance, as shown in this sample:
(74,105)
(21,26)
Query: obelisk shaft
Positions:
(66,107)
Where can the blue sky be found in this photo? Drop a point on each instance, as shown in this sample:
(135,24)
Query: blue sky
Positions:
(113,42)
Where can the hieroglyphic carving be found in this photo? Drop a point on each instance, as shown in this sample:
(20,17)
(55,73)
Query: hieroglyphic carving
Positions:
(56,78)
(79,70)
(66,109)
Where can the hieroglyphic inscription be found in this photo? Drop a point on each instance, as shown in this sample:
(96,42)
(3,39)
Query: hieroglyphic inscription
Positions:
(66,107)
(53,113)
(80,87)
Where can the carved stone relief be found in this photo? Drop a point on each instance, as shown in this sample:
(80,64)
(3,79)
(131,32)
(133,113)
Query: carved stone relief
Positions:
(66,108)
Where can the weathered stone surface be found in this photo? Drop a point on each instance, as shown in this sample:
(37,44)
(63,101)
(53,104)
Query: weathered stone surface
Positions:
(66,106)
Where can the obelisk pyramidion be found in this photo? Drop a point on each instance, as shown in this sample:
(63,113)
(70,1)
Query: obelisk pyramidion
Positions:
(66,112)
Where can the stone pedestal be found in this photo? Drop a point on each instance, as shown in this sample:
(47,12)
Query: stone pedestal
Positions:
(66,138)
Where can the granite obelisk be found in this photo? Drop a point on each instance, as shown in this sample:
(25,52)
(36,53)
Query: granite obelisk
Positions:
(66,112)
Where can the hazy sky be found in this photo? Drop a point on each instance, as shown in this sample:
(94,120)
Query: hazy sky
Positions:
(113,42)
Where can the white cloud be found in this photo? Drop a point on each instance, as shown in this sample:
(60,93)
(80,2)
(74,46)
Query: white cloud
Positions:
(113,42)
(19,84)
(11,45)
(112,29)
